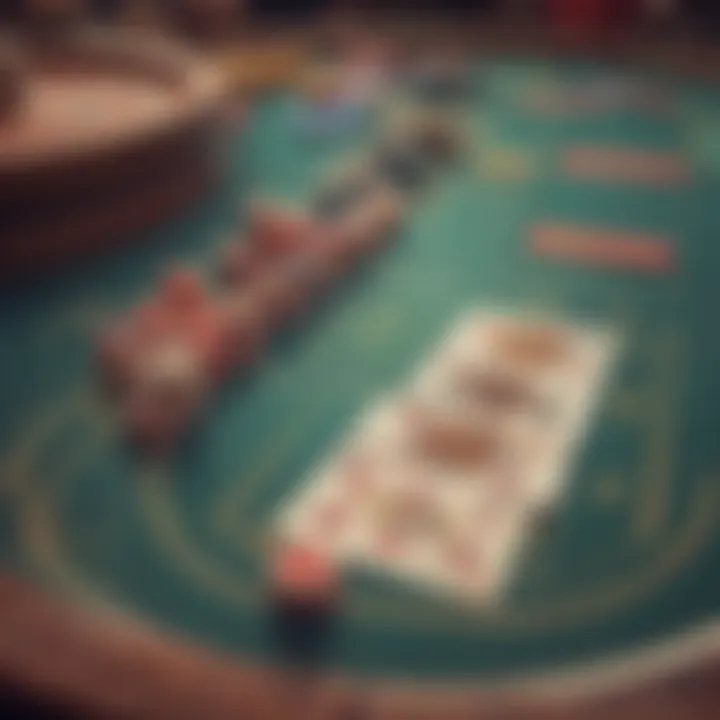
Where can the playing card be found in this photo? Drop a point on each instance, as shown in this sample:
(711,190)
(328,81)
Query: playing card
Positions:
(537,377)
(443,524)
(439,483)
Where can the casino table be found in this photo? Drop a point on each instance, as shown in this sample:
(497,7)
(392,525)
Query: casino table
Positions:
(124,572)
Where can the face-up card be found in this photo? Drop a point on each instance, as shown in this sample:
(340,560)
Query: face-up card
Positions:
(439,483)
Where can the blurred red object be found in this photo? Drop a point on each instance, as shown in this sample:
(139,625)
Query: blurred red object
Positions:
(591,16)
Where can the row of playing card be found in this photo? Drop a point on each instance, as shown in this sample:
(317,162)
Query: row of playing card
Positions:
(439,482)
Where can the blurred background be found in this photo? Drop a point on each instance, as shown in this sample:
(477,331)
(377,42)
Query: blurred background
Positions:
(221,31)
(700,15)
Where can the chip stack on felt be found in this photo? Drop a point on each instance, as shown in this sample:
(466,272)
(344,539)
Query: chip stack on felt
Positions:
(439,482)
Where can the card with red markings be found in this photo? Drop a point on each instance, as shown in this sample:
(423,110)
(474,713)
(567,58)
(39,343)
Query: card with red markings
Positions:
(438,483)
(625,165)
(537,377)
(616,249)
(394,508)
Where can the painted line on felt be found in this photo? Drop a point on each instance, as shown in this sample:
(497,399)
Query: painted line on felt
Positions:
(626,165)
(603,247)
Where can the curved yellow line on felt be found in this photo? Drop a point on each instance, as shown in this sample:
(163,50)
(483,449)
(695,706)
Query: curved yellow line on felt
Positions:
(224,516)
(38,529)
(16,473)
(662,419)
(214,577)
(673,555)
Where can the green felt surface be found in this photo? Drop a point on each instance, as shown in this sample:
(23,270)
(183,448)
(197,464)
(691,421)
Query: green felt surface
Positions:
(631,555)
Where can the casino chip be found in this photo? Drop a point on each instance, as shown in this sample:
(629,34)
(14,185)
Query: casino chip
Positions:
(403,166)
(442,82)
(341,196)
(438,141)
(302,577)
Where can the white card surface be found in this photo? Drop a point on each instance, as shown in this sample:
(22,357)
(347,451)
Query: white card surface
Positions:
(439,483)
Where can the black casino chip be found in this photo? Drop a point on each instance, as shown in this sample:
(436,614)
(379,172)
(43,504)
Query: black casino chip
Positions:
(403,165)
(340,197)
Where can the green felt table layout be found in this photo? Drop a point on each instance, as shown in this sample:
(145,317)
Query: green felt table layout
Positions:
(630,557)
